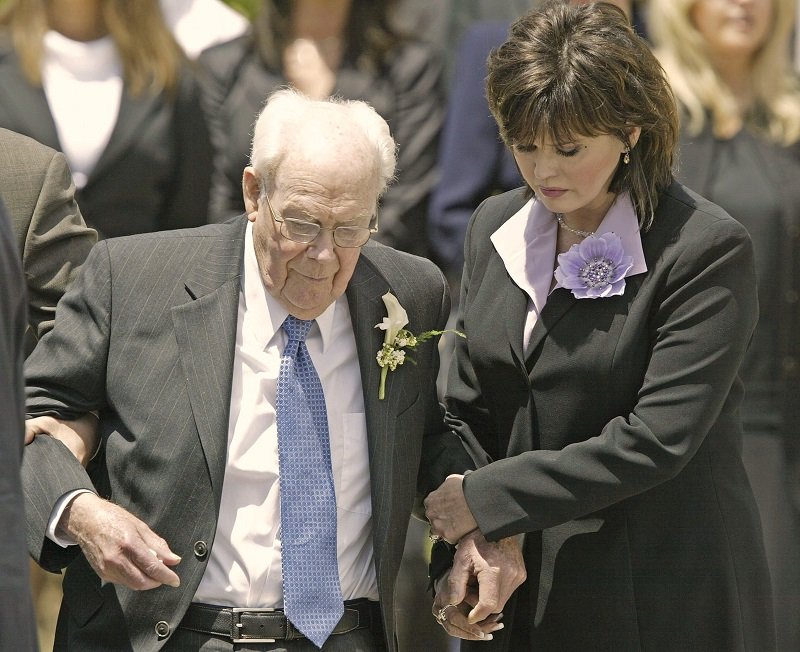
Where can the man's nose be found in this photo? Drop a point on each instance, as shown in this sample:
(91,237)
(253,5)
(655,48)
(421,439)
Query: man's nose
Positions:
(322,247)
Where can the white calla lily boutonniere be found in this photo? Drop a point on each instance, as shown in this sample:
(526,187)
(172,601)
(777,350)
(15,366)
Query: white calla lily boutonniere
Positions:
(397,340)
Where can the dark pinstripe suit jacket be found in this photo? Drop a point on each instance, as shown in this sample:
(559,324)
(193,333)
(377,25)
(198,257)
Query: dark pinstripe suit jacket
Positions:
(146,336)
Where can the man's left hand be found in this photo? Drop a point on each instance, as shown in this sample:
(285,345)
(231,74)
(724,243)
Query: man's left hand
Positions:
(485,574)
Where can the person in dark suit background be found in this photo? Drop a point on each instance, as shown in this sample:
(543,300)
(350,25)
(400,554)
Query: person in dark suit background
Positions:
(188,449)
(51,236)
(731,69)
(346,48)
(606,310)
(53,242)
(104,82)
(17,631)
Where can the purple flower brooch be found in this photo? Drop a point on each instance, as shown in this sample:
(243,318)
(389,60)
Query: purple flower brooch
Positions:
(595,267)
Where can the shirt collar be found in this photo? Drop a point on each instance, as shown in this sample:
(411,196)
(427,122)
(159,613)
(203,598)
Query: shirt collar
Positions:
(265,313)
(531,266)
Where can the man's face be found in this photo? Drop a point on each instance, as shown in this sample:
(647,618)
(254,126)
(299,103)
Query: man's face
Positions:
(307,278)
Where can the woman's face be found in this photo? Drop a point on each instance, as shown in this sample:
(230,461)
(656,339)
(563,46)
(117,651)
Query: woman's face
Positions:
(572,177)
(733,28)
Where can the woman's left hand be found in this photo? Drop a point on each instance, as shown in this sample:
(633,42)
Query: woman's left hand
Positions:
(447,511)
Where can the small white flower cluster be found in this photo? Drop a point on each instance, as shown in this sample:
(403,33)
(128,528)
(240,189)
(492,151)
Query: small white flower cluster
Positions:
(390,355)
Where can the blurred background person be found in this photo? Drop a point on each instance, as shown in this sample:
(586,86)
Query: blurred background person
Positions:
(51,236)
(53,241)
(105,82)
(729,62)
(347,48)
(199,24)
(17,631)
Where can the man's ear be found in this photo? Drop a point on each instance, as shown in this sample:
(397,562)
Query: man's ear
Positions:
(251,190)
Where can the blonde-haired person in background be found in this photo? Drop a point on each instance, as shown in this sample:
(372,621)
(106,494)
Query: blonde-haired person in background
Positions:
(729,62)
(105,82)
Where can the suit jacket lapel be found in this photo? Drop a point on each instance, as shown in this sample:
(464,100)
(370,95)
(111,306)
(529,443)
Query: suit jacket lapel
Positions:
(29,104)
(364,294)
(205,329)
(558,303)
(133,112)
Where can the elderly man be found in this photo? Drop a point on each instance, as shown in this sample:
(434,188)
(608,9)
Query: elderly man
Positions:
(247,471)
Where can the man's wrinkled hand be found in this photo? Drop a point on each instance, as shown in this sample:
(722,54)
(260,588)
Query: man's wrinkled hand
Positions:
(485,574)
(453,616)
(121,548)
(80,436)
(447,511)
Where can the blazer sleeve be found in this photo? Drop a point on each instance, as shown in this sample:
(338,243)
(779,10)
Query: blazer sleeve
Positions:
(57,242)
(65,378)
(700,323)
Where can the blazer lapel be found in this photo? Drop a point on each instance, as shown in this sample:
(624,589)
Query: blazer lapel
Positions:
(29,105)
(364,294)
(205,329)
(558,303)
(133,112)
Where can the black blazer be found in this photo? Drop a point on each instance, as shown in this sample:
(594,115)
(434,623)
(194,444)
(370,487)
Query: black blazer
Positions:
(154,174)
(408,94)
(158,368)
(613,441)
(782,165)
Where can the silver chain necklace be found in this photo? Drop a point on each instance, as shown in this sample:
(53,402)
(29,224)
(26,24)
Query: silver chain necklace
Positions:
(563,224)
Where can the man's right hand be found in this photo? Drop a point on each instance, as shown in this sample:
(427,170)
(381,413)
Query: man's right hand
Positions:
(80,436)
(121,548)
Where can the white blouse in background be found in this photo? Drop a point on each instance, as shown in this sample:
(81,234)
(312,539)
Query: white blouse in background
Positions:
(83,84)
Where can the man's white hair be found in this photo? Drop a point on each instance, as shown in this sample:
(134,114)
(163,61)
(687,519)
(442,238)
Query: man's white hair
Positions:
(288,114)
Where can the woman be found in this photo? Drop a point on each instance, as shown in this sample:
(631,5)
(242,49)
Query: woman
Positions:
(104,82)
(331,47)
(729,64)
(606,310)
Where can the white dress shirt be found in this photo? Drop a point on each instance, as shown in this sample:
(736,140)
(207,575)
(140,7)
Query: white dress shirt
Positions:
(83,86)
(531,266)
(244,568)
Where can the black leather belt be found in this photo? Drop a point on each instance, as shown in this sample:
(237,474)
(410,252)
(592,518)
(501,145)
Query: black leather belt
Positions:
(270,625)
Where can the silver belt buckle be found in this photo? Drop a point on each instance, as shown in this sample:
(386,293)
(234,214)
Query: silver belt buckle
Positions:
(237,625)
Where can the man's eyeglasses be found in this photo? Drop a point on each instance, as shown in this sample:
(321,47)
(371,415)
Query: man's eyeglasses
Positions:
(306,232)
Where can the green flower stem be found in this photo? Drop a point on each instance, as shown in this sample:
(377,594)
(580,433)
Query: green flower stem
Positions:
(381,391)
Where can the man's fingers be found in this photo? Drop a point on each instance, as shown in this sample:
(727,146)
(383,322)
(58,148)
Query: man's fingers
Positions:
(458,579)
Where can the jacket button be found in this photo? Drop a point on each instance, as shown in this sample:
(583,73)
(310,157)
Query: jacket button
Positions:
(792,296)
(789,365)
(200,549)
(162,628)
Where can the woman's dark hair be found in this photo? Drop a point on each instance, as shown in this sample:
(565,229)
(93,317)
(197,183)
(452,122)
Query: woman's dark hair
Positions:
(570,71)
(369,35)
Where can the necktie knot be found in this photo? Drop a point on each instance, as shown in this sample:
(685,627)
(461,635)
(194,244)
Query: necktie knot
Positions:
(297,329)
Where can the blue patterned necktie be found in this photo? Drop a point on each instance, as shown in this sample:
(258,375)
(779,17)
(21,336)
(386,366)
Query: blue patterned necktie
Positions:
(312,594)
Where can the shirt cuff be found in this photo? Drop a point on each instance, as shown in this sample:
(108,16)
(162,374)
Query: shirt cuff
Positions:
(55,517)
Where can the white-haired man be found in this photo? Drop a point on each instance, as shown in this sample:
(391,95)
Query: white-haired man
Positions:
(184,343)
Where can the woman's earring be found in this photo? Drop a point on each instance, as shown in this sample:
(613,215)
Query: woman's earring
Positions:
(627,158)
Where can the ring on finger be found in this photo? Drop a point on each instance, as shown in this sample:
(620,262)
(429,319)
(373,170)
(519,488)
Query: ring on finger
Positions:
(441,615)
(435,538)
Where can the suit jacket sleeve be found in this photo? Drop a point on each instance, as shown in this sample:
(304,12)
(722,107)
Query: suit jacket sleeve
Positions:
(700,324)
(65,377)
(56,243)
